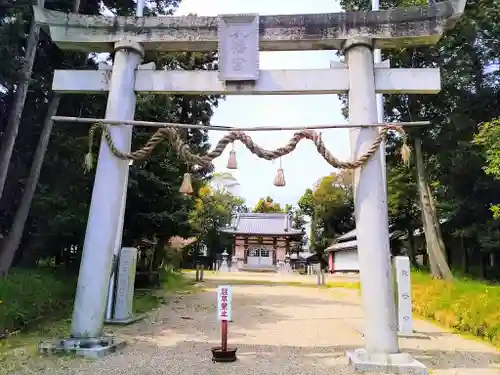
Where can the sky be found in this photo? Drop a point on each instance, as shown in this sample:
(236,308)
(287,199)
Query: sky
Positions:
(303,167)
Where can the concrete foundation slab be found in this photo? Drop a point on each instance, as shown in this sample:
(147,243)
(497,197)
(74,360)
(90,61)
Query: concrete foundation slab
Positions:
(400,363)
(125,322)
(92,348)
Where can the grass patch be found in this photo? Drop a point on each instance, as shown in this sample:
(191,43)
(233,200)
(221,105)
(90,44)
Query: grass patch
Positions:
(28,296)
(171,283)
(50,294)
(467,306)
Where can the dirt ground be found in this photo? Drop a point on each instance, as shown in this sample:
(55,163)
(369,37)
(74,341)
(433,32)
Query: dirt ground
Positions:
(277,329)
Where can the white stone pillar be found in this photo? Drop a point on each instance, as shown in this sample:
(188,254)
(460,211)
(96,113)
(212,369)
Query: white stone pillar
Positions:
(403,284)
(372,224)
(107,198)
(124,299)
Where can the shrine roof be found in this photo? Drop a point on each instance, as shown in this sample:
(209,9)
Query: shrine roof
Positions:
(347,236)
(263,224)
(348,241)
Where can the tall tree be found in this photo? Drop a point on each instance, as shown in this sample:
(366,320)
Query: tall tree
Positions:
(11,244)
(16,111)
(213,210)
(330,207)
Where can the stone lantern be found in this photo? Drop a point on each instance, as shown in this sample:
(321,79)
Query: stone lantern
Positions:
(288,268)
(224,266)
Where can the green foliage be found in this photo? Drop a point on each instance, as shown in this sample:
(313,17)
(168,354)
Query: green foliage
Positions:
(330,207)
(268,205)
(306,203)
(26,295)
(488,138)
(213,210)
(466,305)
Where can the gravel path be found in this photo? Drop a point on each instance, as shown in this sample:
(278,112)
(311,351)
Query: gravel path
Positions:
(277,329)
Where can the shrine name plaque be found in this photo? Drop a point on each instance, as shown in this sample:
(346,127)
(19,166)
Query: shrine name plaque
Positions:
(238,47)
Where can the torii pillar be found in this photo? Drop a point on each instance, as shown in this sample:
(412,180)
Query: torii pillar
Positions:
(105,219)
(381,349)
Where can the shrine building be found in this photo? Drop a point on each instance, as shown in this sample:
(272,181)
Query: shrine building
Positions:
(261,240)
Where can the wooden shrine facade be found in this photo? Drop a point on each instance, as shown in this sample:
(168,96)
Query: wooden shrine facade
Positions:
(261,240)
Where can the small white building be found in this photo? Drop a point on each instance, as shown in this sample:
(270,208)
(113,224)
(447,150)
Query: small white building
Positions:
(343,255)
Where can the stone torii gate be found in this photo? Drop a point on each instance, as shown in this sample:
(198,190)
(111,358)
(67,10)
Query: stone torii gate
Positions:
(239,38)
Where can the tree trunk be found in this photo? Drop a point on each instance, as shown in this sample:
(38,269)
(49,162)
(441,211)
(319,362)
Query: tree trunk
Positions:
(437,260)
(437,224)
(430,260)
(482,266)
(29,254)
(16,112)
(412,253)
(11,244)
(465,256)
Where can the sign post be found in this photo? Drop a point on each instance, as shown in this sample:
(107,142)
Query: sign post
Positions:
(224,304)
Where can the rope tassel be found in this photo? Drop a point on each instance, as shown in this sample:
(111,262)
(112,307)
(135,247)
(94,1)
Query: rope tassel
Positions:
(186,186)
(405,153)
(232,163)
(279,180)
(89,162)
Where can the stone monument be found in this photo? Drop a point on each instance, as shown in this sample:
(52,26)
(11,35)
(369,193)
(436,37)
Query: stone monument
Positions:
(123,312)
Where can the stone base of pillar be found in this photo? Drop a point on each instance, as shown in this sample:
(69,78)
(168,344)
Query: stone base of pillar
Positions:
(400,363)
(93,348)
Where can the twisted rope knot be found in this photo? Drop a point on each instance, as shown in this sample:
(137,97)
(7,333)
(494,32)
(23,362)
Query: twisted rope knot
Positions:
(172,136)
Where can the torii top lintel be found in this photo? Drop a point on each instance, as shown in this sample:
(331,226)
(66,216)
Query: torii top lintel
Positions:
(395,28)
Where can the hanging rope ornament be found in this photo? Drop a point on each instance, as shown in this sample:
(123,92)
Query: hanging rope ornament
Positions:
(279,180)
(186,186)
(231,162)
(178,146)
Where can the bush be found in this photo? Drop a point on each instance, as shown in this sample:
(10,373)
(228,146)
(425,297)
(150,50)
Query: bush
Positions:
(465,305)
(27,295)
